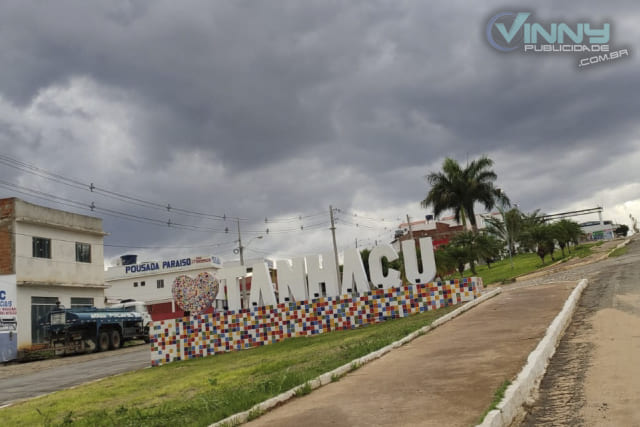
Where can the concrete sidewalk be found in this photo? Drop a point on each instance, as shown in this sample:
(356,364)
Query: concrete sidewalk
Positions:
(446,377)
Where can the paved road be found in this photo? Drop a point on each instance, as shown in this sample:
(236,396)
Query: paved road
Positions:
(22,381)
(594,377)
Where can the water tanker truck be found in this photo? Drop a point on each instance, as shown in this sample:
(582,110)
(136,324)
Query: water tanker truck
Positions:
(78,330)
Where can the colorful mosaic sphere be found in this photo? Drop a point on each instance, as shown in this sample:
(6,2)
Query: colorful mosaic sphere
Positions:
(195,295)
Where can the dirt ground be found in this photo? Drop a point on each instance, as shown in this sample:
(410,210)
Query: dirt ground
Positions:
(594,378)
(446,377)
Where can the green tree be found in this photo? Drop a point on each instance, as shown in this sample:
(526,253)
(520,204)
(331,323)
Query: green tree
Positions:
(468,241)
(446,264)
(622,230)
(459,189)
(489,247)
(454,255)
(507,227)
(529,222)
(566,232)
(540,238)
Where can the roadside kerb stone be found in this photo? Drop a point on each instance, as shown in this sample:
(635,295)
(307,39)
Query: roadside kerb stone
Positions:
(528,380)
(328,377)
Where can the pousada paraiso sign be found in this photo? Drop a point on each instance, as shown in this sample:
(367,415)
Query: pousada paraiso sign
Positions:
(306,278)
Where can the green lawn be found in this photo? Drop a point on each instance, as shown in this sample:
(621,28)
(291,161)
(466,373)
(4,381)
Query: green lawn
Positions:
(618,252)
(501,271)
(201,391)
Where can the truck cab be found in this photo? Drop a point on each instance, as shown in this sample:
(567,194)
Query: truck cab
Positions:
(136,307)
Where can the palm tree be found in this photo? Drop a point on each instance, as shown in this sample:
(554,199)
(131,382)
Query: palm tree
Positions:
(459,189)
(506,228)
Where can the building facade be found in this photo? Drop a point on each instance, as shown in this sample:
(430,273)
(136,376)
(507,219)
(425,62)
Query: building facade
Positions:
(54,257)
(151,281)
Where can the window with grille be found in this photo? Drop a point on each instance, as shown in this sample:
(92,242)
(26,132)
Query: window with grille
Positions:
(41,247)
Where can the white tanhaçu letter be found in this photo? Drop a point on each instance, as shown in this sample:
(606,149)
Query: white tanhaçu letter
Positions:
(326,274)
(229,276)
(411,270)
(292,280)
(353,272)
(261,286)
(392,279)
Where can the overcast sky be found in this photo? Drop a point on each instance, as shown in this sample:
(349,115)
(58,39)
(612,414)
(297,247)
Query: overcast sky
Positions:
(276,109)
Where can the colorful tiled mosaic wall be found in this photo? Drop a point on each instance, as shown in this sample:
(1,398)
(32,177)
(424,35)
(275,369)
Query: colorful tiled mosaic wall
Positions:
(208,334)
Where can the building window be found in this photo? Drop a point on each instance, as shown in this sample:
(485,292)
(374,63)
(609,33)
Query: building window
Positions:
(41,247)
(141,283)
(79,302)
(83,252)
(135,284)
(160,283)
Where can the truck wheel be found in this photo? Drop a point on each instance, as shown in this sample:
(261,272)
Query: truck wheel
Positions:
(103,341)
(116,339)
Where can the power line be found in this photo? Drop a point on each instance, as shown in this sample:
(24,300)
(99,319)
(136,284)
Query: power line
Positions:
(143,219)
(137,201)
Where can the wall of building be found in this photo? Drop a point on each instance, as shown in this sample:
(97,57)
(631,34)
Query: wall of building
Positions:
(58,278)
(120,280)
(62,267)
(62,293)
(7,247)
(206,335)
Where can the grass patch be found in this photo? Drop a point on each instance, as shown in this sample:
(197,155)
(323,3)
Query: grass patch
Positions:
(502,272)
(199,392)
(618,252)
(254,413)
(304,390)
(498,395)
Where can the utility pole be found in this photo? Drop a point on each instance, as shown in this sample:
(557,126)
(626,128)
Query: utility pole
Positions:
(335,247)
(410,229)
(243,281)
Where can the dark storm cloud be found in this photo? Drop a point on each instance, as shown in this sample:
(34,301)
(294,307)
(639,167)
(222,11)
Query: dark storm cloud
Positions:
(261,109)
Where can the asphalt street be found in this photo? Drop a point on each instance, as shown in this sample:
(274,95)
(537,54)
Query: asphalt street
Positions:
(594,377)
(23,381)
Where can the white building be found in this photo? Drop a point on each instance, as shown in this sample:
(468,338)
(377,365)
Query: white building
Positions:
(598,230)
(151,281)
(49,256)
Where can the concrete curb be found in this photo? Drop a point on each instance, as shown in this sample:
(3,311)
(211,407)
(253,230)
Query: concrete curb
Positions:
(329,377)
(528,380)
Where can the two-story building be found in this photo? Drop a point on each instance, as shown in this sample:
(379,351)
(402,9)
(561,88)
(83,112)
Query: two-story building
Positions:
(50,257)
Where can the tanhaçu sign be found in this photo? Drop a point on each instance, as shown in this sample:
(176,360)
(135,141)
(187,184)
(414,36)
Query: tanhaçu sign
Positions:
(310,277)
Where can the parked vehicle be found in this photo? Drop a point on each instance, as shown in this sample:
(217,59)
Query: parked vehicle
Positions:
(138,307)
(80,330)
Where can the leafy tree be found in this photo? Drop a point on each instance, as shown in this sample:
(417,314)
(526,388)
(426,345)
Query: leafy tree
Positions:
(506,228)
(622,230)
(459,189)
(540,238)
(454,255)
(566,232)
(446,264)
(468,241)
(529,222)
(488,247)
